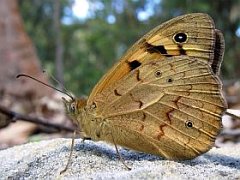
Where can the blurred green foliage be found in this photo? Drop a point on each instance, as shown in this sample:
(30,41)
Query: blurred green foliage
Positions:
(93,44)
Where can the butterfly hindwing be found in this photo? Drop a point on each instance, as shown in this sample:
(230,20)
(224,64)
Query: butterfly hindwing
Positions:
(175,103)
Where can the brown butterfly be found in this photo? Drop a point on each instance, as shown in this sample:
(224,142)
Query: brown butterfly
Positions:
(163,96)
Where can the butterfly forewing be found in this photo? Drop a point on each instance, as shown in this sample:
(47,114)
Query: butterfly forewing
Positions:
(193,35)
(175,104)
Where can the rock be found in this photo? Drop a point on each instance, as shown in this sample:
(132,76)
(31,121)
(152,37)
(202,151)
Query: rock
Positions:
(98,160)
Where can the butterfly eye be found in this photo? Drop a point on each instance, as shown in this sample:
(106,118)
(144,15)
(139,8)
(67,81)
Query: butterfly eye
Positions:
(93,106)
(180,37)
(189,124)
(158,73)
(73,107)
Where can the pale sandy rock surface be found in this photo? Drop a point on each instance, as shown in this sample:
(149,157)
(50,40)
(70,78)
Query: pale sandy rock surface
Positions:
(98,160)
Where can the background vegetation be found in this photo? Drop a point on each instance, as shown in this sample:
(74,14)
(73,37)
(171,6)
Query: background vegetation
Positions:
(90,46)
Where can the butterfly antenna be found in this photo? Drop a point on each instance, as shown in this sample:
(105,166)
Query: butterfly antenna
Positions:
(57,81)
(52,87)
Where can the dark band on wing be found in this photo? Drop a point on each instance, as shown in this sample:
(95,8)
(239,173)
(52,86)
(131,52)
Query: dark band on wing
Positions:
(117,93)
(134,64)
(218,52)
(157,49)
(181,50)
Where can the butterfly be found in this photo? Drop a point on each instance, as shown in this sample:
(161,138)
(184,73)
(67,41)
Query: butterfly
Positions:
(164,96)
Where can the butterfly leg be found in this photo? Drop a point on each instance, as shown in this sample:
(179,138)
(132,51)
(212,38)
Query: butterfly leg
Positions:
(119,155)
(86,138)
(70,156)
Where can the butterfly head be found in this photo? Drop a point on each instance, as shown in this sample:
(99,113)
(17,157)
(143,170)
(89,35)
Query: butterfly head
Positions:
(74,108)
